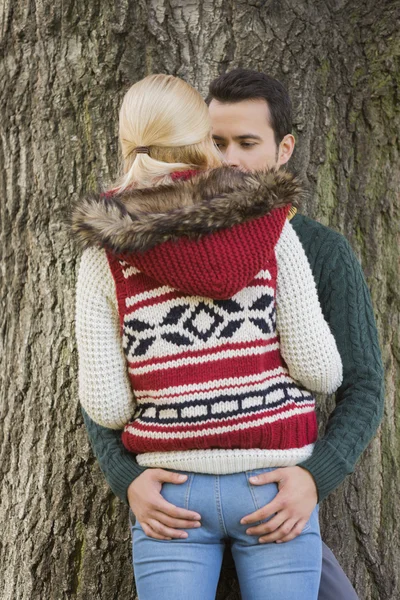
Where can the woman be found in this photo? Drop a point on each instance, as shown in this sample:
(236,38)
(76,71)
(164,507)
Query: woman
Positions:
(200,333)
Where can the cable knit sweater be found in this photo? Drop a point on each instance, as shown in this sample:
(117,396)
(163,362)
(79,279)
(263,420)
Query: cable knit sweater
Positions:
(346,305)
(308,347)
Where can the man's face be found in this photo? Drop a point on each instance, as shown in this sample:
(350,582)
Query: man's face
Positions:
(243,134)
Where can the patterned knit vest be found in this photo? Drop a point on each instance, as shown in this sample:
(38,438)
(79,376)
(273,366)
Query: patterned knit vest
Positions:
(198,326)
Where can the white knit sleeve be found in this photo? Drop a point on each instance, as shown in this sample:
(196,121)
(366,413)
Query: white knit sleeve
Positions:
(104,388)
(306,342)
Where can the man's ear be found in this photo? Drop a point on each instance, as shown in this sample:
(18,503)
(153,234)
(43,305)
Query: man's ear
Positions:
(286,148)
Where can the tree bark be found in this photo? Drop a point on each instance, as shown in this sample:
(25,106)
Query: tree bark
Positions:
(64,70)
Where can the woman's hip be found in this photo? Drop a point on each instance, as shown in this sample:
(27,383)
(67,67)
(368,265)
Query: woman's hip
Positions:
(222,501)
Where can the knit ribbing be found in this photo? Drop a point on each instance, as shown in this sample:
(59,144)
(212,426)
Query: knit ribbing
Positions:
(217,461)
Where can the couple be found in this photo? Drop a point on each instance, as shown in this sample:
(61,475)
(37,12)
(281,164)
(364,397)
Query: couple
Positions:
(200,335)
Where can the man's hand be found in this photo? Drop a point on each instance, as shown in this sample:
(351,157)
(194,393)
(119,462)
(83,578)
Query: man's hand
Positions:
(292,506)
(158,517)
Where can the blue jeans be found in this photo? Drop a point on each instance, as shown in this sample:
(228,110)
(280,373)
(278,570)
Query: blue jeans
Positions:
(179,569)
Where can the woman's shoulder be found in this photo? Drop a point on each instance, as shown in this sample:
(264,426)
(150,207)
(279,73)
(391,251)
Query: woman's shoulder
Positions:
(94,258)
(94,270)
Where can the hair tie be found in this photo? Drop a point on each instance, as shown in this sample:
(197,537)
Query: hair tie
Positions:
(142,150)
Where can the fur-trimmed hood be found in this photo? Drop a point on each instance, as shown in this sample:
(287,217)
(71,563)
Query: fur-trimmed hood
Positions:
(208,236)
(137,220)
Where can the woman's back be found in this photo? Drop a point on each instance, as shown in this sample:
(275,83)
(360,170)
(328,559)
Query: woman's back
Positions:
(197,286)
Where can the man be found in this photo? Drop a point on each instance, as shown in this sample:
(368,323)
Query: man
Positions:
(251,117)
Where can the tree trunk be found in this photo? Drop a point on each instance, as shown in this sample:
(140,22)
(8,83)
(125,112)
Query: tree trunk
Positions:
(65,68)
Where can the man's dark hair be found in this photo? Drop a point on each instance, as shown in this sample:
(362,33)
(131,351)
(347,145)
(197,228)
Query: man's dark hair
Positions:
(245,84)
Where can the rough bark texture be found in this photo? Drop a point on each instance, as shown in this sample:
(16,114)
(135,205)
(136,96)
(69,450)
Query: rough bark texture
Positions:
(65,67)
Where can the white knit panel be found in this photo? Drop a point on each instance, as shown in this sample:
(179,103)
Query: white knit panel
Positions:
(306,342)
(222,462)
(104,387)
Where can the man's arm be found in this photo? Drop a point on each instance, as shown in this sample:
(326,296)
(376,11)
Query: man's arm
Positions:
(117,464)
(346,304)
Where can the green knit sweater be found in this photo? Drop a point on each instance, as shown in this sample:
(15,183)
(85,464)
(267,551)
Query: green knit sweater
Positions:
(346,305)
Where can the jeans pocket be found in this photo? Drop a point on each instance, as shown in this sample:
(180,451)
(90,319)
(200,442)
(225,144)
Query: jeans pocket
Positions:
(174,493)
(261,494)
(264,494)
(178,493)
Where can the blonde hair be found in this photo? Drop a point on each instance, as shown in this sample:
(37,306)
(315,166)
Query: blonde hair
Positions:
(170,117)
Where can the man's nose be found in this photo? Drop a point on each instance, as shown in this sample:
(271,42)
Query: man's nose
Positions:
(231,157)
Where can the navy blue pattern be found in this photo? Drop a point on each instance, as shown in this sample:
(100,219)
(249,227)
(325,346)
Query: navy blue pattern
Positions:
(223,319)
(178,406)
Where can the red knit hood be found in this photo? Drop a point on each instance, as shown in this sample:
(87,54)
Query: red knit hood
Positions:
(205,235)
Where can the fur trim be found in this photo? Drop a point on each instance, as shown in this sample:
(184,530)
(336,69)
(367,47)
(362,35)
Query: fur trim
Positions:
(139,219)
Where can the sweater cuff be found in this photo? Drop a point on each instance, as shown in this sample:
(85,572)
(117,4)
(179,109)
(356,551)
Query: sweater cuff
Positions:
(327,467)
(124,472)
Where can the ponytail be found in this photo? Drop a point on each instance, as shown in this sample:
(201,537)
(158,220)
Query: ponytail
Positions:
(169,117)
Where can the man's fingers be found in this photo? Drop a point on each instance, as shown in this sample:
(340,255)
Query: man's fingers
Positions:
(264,512)
(270,477)
(178,523)
(175,512)
(169,476)
(297,529)
(283,531)
(167,532)
(151,533)
(270,526)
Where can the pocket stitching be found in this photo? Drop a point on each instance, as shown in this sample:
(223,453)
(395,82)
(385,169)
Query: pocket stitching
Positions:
(187,493)
(251,488)
(253,496)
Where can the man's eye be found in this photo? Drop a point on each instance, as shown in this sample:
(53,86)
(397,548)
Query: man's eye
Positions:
(247,144)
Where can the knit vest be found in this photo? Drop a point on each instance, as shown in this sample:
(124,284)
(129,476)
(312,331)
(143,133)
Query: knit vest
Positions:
(198,326)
